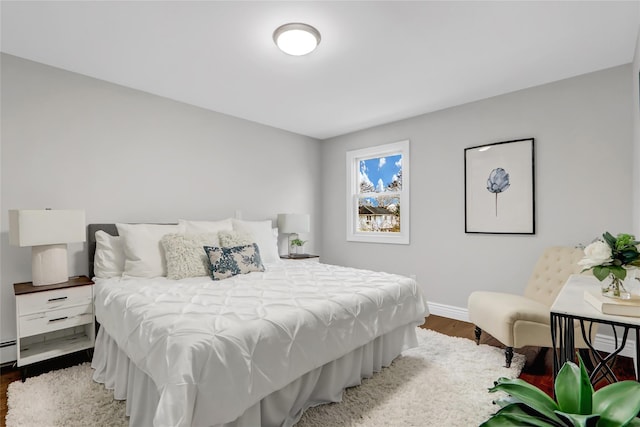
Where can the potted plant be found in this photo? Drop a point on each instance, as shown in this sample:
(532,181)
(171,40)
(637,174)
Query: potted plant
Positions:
(296,245)
(611,258)
(576,404)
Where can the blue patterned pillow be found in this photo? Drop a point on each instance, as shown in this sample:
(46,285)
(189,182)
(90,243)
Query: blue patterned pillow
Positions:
(227,262)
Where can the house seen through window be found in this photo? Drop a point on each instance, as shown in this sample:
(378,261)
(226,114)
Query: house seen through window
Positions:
(378,194)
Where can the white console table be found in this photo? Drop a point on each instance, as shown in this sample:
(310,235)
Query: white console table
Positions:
(569,307)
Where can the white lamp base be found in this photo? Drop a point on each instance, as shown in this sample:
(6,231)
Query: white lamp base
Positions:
(49,264)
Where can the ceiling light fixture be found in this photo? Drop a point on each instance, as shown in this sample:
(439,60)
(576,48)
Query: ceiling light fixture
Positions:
(296,39)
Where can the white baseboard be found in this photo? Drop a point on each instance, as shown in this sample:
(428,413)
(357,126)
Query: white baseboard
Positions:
(8,352)
(606,343)
(602,342)
(448,311)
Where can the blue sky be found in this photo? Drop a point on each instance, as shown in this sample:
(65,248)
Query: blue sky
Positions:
(380,171)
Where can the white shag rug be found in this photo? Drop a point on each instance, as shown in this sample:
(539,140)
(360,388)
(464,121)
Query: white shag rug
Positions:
(443,382)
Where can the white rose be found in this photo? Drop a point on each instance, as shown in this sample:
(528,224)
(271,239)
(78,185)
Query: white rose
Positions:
(597,253)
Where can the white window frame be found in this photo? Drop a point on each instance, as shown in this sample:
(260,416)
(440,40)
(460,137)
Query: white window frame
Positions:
(353,163)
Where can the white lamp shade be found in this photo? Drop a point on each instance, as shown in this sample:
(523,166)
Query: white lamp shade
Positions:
(46,227)
(294,223)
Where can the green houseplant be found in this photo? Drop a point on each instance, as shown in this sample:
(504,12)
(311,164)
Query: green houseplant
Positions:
(296,245)
(576,404)
(298,242)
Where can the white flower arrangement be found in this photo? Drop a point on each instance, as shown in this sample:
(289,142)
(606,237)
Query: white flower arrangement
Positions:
(612,257)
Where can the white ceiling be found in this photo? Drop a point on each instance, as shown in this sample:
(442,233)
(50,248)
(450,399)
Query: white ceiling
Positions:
(377,62)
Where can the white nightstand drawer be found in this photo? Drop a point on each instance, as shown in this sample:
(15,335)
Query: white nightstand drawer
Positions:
(53,320)
(54,299)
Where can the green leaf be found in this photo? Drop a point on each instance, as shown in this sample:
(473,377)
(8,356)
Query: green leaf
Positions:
(630,254)
(618,271)
(529,395)
(516,415)
(611,241)
(584,375)
(634,423)
(617,403)
(578,420)
(573,389)
(500,421)
(601,272)
(505,401)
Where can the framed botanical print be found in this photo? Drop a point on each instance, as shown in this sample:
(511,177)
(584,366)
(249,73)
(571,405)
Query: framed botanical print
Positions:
(500,188)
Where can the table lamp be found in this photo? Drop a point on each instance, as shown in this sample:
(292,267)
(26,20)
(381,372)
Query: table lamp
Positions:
(47,232)
(293,224)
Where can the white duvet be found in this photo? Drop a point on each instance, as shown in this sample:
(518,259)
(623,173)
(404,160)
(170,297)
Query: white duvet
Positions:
(215,348)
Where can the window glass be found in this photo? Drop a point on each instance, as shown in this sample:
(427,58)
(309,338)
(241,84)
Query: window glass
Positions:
(378,194)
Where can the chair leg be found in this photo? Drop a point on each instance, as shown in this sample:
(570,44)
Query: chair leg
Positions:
(508,356)
(478,332)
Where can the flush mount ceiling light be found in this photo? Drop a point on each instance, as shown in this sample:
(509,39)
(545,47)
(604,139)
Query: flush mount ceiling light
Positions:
(296,39)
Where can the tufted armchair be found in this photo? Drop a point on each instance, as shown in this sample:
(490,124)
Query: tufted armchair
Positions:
(517,320)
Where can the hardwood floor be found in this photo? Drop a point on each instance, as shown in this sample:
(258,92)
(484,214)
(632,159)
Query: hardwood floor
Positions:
(538,369)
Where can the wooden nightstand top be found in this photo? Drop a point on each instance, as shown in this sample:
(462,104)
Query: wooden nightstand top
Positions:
(299,256)
(28,288)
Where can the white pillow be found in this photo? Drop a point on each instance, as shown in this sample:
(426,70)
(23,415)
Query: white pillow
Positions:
(198,227)
(142,248)
(109,257)
(232,238)
(264,235)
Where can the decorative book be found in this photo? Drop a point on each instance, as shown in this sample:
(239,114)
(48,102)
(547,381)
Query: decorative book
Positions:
(619,307)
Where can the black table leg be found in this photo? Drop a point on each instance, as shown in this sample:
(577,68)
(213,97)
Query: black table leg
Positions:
(638,354)
(555,343)
(563,341)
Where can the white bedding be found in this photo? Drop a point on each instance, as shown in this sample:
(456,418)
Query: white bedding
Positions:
(215,348)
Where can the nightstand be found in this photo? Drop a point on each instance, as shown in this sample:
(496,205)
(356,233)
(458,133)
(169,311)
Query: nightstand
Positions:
(53,320)
(308,257)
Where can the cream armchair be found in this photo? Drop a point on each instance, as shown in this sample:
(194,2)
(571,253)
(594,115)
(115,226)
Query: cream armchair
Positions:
(517,320)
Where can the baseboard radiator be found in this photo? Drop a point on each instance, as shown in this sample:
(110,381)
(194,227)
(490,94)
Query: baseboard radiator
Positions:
(8,352)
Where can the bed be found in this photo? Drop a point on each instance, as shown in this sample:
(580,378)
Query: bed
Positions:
(255,349)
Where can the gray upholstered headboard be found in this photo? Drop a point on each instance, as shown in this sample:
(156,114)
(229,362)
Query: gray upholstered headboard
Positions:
(91,238)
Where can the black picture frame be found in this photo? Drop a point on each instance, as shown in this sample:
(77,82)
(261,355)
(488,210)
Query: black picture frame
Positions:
(499,188)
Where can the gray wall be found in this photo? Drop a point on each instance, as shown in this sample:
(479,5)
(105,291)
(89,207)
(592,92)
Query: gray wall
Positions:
(73,142)
(69,141)
(635,109)
(582,129)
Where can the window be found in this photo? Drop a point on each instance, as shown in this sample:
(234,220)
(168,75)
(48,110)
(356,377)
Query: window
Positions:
(378,194)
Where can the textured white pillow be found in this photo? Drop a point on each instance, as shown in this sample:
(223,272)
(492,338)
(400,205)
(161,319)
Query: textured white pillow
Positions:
(265,237)
(198,227)
(142,248)
(109,257)
(235,238)
(185,254)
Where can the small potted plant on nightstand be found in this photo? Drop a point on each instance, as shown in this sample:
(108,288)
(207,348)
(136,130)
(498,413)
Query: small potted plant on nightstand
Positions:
(296,246)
